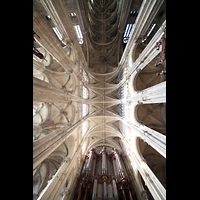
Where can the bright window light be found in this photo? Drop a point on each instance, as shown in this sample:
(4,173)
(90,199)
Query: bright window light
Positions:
(85,75)
(124,128)
(151,30)
(128,33)
(79,34)
(85,106)
(57,33)
(73,14)
(84,109)
(85,93)
(152,27)
(84,128)
(83,148)
(126,30)
(129,28)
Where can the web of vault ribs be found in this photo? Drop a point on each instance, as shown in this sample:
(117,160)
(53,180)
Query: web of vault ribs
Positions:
(103,31)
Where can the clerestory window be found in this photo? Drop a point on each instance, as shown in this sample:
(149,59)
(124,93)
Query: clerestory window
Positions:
(127,32)
(78,34)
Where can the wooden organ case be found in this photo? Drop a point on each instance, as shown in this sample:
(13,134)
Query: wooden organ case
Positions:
(104,177)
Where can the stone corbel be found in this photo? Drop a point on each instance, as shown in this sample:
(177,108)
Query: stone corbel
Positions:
(67,49)
(66,191)
(67,160)
(144,195)
(140,38)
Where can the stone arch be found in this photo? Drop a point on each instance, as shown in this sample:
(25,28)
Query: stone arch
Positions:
(47,170)
(61,80)
(139,152)
(155,161)
(55,66)
(137,51)
(139,180)
(70,145)
(145,191)
(152,116)
(41,113)
(147,77)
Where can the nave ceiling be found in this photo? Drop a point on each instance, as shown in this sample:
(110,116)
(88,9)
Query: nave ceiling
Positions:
(105,22)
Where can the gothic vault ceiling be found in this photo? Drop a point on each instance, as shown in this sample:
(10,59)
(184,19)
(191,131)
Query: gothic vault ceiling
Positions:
(102,24)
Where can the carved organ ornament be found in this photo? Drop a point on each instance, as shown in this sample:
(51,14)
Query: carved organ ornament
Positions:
(104,176)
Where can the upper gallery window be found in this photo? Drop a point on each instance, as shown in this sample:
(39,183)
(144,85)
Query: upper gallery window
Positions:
(127,32)
(151,29)
(58,34)
(78,34)
(73,14)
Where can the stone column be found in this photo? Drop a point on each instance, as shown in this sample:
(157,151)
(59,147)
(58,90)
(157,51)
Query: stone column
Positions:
(147,13)
(154,94)
(55,186)
(152,137)
(44,146)
(147,55)
(50,42)
(50,8)
(45,92)
(61,19)
(38,66)
(154,185)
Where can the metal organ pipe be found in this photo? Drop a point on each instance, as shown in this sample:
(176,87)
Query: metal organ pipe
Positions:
(94,189)
(105,191)
(115,171)
(120,166)
(104,167)
(115,189)
(96,185)
(88,166)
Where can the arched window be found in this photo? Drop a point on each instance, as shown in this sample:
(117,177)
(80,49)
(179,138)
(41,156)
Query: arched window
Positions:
(47,169)
(85,106)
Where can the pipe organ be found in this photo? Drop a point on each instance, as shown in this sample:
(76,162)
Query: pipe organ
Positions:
(104,177)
